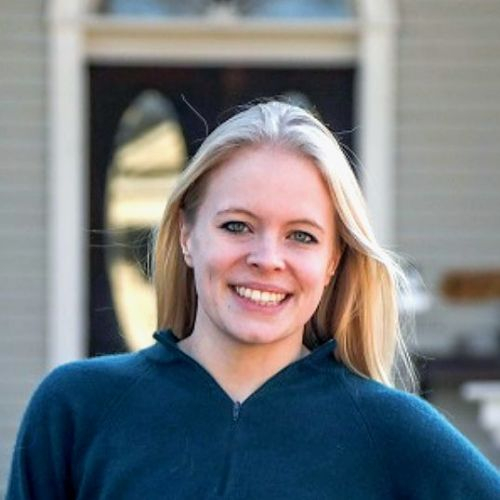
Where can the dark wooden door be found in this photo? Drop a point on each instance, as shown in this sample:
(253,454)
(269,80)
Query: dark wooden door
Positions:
(213,92)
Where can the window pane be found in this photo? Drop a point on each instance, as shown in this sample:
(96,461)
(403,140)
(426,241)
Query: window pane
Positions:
(155,7)
(150,152)
(248,8)
(297,8)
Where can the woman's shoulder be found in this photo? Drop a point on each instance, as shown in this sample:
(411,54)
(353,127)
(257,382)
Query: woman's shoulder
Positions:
(418,443)
(73,385)
(109,369)
(393,412)
(66,412)
(370,393)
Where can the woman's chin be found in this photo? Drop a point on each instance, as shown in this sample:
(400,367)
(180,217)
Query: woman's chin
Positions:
(261,336)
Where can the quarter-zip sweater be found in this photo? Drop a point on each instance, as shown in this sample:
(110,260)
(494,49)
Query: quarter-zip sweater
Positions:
(155,425)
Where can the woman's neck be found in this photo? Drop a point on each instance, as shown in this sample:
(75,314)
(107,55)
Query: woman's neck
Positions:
(240,369)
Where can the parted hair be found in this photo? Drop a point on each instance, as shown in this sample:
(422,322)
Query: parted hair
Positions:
(359,308)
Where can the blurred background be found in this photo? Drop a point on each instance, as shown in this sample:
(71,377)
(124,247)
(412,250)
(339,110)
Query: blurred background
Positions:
(103,102)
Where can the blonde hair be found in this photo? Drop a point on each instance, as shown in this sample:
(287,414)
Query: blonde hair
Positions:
(359,307)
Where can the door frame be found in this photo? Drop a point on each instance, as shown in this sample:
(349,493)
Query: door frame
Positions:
(77,37)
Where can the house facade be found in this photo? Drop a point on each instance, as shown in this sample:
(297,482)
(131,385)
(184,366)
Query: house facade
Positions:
(424,80)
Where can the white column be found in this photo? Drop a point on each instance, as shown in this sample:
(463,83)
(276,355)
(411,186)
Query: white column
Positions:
(377,103)
(66,185)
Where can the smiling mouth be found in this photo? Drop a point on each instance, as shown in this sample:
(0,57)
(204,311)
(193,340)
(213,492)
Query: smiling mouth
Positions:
(263,298)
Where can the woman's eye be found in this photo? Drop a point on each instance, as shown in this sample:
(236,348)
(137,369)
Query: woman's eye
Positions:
(235,227)
(303,237)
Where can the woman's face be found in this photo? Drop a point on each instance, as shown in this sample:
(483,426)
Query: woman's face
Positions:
(261,246)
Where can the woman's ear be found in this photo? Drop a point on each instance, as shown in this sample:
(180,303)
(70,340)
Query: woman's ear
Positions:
(332,267)
(330,272)
(185,239)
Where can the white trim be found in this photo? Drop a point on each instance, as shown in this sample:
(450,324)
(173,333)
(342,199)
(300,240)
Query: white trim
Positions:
(222,42)
(377,104)
(67,189)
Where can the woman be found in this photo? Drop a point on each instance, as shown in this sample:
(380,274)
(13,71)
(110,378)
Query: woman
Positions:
(272,372)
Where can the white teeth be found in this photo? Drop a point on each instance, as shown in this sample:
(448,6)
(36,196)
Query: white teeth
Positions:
(260,297)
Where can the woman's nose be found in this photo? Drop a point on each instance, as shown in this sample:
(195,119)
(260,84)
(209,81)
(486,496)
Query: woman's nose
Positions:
(266,254)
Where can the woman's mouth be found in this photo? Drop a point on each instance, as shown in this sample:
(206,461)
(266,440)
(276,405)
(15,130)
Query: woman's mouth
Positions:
(260,297)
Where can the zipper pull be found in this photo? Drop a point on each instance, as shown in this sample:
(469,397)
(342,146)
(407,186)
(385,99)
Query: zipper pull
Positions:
(236,410)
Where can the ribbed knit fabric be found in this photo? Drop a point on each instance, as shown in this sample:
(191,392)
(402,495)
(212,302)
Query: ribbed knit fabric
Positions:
(155,425)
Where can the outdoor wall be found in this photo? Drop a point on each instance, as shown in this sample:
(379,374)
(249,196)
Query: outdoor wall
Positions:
(448,155)
(23,171)
(448,173)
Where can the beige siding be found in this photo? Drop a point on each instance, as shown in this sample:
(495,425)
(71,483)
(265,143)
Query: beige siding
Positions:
(23,230)
(448,157)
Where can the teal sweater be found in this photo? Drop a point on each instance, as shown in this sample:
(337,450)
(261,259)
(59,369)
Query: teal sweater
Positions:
(155,425)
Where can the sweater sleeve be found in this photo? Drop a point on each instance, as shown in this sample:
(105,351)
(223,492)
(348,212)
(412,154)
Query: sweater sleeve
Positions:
(425,456)
(41,461)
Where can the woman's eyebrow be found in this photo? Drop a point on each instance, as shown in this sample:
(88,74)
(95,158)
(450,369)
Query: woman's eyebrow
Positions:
(232,210)
(307,222)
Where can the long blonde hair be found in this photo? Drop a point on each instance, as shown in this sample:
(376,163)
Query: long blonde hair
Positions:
(359,307)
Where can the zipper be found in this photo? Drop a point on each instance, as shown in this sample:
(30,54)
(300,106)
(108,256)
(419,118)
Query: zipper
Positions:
(226,481)
(236,410)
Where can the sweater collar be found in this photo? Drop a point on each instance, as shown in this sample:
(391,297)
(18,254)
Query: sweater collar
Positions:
(166,348)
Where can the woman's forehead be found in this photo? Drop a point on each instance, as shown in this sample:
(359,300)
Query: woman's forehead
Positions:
(267,164)
(269,176)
